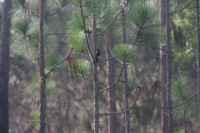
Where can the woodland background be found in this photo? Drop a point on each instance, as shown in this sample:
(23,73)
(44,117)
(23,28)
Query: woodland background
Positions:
(146,46)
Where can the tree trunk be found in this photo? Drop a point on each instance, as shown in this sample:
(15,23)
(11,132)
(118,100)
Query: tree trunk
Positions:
(163,75)
(41,66)
(163,68)
(127,117)
(111,92)
(198,56)
(169,70)
(4,67)
(95,89)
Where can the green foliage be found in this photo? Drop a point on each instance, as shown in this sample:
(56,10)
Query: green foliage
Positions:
(52,59)
(83,66)
(181,91)
(141,23)
(76,24)
(126,52)
(36,117)
(19,2)
(21,25)
(96,5)
(76,39)
(141,14)
(21,45)
(50,85)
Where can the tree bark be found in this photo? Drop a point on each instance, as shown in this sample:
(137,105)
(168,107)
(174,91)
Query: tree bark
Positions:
(4,67)
(127,115)
(169,70)
(198,55)
(163,68)
(41,66)
(95,81)
(112,128)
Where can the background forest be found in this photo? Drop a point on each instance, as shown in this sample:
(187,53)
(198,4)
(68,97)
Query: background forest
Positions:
(102,66)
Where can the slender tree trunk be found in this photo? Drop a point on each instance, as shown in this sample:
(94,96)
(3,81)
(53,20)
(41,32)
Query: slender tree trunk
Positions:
(163,75)
(95,89)
(127,115)
(41,66)
(169,70)
(198,55)
(163,67)
(4,67)
(112,128)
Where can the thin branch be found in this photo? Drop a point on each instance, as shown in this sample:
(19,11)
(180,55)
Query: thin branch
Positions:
(189,3)
(59,62)
(114,83)
(101,61)
(175,106)
(86,32)
(113,19)
(122,112)
(55,34)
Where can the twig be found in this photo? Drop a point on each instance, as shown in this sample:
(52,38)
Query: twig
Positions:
(114,83)
(59,62)
(122,112)
(189,3)
(113,19)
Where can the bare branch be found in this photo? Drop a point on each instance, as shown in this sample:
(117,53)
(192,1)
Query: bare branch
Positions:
(59,62)
(113,19)
(189,3)
(114,83)
(122,112)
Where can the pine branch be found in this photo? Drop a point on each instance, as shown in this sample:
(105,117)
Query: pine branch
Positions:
(113,19)
(59,62)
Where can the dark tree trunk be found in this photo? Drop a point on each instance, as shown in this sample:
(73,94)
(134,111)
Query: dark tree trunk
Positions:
(163,68)
(169,70)
(95,89)
(127,115)
(41,66)
(112,128)
(4,67)
(198,56)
